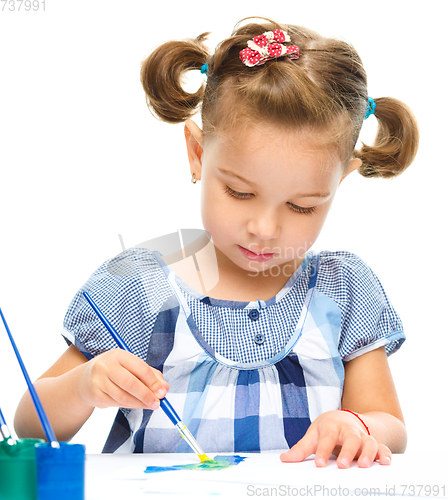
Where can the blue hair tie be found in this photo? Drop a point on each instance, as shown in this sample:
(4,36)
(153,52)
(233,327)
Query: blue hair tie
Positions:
(204,69)
(371,106)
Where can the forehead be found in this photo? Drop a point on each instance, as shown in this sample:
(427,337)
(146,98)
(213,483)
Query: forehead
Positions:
(287,154)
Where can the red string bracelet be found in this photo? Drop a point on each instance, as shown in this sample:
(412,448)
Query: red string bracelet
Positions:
(359,418)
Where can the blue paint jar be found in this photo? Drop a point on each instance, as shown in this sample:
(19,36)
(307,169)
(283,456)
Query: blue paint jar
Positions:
(60,471)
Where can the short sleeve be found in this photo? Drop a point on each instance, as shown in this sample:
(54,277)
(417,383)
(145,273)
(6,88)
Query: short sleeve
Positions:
(368,320)
(129,290)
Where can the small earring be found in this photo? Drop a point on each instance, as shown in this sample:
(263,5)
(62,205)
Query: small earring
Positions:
(193,178)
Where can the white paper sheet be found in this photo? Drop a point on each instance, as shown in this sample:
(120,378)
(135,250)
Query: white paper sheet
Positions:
(265,476)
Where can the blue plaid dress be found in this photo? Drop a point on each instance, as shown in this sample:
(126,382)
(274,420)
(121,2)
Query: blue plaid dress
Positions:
(244,376)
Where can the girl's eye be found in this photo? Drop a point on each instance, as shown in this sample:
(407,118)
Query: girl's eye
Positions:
(294,208)
(302,210)
(235,194)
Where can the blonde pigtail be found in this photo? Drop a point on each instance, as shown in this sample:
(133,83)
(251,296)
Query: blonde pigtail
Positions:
(162,74)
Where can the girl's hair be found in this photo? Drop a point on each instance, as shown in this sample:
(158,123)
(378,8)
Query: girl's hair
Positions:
(324,90)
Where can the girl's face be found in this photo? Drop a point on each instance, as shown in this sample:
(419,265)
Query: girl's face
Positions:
(266,195)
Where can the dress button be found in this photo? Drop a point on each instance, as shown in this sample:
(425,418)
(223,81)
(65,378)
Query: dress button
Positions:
(253,314)
(259,338)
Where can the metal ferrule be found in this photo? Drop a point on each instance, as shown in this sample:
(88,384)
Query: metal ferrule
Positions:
(5,432)
(188,436)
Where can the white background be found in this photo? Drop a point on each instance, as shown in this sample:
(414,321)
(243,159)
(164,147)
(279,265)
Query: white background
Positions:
(82,160)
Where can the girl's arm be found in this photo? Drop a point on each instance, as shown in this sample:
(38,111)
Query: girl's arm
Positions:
(74,386)
(370,392)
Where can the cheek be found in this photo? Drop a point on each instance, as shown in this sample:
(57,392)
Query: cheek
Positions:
(214,210)
(207,214)
(309,228)
(320,221)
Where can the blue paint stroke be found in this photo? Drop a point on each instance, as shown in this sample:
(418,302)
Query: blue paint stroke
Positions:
(218,463)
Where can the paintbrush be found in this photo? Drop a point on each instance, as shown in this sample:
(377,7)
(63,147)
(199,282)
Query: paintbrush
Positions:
(4,431)
(37,404)
(164,403)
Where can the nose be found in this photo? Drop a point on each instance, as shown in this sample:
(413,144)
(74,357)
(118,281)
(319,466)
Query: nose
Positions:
(264,225)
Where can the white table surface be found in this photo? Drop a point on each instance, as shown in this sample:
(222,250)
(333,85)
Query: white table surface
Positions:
(262,476)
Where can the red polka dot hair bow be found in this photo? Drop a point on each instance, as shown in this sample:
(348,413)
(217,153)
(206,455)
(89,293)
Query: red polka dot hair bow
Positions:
(267,46)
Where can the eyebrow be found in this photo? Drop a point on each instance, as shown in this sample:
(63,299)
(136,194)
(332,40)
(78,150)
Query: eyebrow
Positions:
(250,183)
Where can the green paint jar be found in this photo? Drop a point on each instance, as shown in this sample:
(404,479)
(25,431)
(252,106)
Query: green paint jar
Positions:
(18,470)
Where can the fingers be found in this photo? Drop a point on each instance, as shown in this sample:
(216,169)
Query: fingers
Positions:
(113,395)
(325,447)
(384,455)
(151,380)
(353,443)
(131,392)
(303,449)
(119,378)
(334,433)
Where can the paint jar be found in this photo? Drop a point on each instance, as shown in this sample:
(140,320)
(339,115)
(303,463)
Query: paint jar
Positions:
(18,470)
(60,471)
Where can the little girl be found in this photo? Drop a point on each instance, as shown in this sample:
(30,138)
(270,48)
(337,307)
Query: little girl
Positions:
(287,348)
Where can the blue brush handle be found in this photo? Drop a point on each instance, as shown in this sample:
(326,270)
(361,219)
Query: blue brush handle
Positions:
(2,418)
(38,405)
(164,403)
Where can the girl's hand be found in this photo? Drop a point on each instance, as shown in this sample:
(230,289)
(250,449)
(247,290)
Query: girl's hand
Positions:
(119,378)
(341,433)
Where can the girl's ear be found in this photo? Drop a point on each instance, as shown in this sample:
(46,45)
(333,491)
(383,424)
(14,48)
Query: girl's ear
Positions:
(194,140)
(354,164)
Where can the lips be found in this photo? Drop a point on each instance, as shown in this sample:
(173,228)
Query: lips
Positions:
(260,253)
(259,257)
